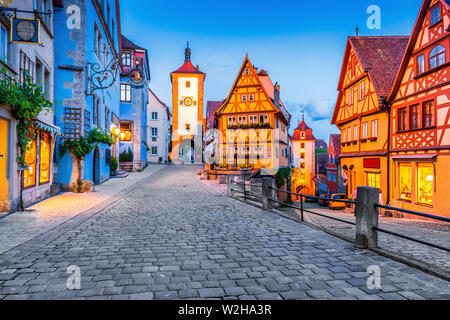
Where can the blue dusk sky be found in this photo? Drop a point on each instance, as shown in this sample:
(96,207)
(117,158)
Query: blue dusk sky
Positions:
(300,43)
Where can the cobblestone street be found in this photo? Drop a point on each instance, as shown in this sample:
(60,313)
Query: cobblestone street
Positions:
(170,236)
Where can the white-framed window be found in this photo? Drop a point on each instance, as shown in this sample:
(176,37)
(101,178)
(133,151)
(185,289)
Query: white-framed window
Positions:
(355,132)
(125,92)
(154,151)
(242,119)
(246,72)
(231,120)
(253,119)
(127,59)
(244,98)
(365,130)
(3,44)
(420,64)
(351,96)
(154,116)
(349,134)
(264,118)
(362,90)
(154,132)
(374,128)
(251,97)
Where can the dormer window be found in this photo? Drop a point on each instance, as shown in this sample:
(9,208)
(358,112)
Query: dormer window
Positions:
(435,15)
(437,56)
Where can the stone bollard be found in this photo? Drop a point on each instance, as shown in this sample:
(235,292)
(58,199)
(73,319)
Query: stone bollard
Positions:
(366,217)
(267,193)
(230,185)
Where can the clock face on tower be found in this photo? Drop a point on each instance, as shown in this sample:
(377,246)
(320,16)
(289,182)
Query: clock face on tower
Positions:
(187,101)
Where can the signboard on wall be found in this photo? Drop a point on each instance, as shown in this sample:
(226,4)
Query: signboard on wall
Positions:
(373,163)
(25,30)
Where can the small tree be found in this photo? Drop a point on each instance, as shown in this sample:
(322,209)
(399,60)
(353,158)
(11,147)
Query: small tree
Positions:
(27,101)
(82,146)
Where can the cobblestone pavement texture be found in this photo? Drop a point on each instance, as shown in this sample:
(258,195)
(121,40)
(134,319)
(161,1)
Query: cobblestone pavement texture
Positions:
(430,231)
(18,228)
(172,237)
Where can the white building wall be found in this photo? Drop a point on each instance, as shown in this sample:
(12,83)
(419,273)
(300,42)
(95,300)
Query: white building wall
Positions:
(188,115)
(162,140)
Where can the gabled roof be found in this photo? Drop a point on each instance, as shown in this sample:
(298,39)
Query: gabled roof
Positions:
(266,84)
(335,143)
(188,67)
(410,47)
(302,126)
(127,44)
(169,115)
(381,57)
(211,108)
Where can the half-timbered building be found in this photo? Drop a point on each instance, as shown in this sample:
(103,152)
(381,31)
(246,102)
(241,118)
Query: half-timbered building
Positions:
(420,115)
(253,123)
(368,72)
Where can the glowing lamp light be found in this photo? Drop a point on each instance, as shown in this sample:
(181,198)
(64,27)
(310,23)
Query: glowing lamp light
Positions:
(117,131)
(122,135)
(430,178)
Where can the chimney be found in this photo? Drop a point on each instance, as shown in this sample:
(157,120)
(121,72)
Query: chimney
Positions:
(276,95)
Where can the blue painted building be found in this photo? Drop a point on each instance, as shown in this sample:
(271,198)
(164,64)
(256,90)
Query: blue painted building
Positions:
(133,106)
(87,40)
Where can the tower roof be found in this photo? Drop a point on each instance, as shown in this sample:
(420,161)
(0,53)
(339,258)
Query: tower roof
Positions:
(302,126)
(187,66)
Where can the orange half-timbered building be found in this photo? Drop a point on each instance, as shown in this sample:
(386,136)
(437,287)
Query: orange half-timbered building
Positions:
(420,116)
(368,72)
(253,123)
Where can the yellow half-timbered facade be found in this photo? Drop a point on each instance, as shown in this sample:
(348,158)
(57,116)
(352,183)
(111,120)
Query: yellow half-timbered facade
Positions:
(368,72)
(253,123)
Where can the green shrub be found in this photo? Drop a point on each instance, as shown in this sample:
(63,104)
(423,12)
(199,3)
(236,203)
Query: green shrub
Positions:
(114,164)
(126,156)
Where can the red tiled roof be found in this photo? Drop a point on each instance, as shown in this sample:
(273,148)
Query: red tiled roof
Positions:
(263,73)
(270,88)
(302,126)
(335,143)
(127,44)
(188,67)
(211,108)
(381,56)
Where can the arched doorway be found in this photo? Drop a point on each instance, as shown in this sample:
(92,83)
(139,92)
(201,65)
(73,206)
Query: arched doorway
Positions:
(187,151)
(96,167)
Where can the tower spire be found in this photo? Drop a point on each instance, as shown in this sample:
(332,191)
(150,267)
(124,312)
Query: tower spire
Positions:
(357,30)
(187,53)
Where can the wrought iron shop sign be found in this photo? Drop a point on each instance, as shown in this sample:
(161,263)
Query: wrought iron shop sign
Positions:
(137,75)
(101,78)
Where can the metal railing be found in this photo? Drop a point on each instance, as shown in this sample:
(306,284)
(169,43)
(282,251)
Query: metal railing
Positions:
(303,210)
(416,213)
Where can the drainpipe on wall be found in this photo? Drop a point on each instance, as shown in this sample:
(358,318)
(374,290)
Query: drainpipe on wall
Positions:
(387,110)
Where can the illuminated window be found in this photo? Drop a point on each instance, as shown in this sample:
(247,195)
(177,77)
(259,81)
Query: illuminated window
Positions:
(125,92)
(373,180)
(428,114)
(435,15)
(302,156)
(421,64)
(425,184)
(44,166)
(30,161)
(302,165)
(125,131)
(437,56)
(404,181)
